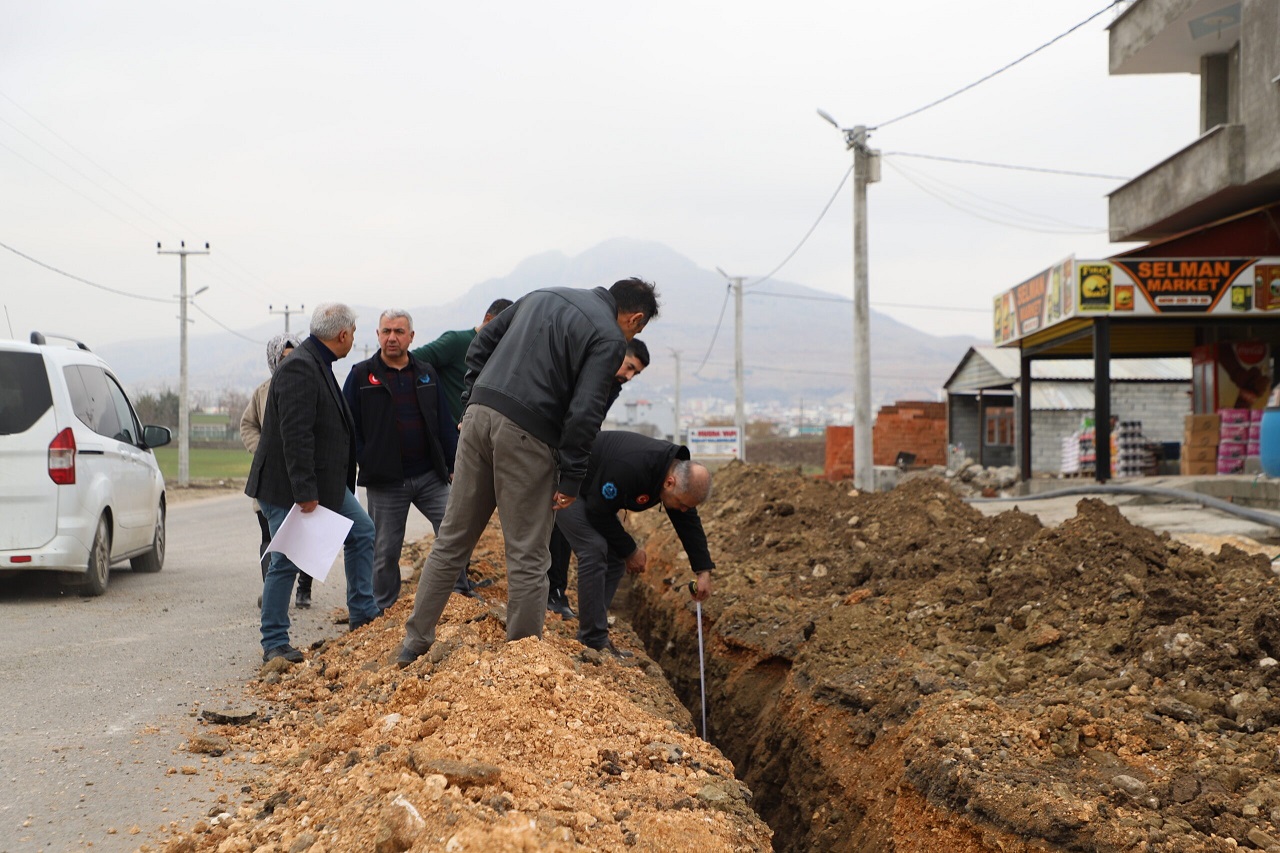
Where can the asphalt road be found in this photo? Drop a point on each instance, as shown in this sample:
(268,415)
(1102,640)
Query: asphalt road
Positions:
(99,694)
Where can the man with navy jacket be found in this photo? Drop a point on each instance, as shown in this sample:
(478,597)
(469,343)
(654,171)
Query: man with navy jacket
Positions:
(405,444)
(630,471)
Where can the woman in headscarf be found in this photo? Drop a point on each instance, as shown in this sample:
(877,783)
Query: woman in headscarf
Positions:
(278,348)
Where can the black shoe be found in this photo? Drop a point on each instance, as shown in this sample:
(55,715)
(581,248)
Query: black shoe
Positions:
(356,626)
(286,651)
(407,657)
(259,602)
(561,608)
(469,593)
(304,598)
(617,652)
(482,583)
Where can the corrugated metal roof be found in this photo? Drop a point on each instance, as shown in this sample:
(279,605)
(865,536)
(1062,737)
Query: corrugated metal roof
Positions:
(1061,396)
(1008,363)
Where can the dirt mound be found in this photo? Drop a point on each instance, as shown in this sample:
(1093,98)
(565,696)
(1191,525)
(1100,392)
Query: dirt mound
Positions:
(896,671)
(480,745)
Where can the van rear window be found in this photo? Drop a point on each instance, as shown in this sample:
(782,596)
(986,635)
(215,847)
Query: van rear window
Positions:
(24,391)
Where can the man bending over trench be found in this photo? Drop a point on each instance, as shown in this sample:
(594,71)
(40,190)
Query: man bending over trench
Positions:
(633,472)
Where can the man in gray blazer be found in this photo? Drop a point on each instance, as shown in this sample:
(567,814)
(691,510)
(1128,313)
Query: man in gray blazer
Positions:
(307,456)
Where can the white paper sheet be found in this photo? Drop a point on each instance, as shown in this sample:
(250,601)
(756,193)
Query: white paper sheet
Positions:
(311,539)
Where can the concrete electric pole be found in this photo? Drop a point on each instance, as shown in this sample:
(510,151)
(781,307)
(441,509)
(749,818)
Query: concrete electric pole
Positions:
(675,429)
(866,170)
(286,311)
(184,415)
(739,405)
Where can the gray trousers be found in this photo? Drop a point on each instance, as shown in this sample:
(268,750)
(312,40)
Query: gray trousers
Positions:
(599,573)
(389,509)
(498,466)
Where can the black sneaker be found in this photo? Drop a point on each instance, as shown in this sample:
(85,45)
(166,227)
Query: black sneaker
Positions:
(286,651)
(617,652)
(561,608)
(469,593)
(407,657)
(304,598)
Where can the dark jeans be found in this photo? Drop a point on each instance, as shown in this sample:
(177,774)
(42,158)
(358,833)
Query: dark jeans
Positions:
(558,574)
(304,579)
(599,573)
(389,509)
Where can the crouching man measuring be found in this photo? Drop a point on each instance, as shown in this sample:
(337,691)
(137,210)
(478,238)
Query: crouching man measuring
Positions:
(632,472)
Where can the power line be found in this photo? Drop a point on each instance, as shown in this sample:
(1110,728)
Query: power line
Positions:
(1026,215)
(1079,230)
(225,326)
(990,165)
(799,370)
(807,234)
(244,273)
(93,201)
(85,280)
(1000,70)
(716,333)
(845,301)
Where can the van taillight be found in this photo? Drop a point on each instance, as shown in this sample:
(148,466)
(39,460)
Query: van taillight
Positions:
(62,458)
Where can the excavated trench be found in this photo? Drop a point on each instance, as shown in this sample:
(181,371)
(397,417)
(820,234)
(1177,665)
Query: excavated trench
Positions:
(898,672)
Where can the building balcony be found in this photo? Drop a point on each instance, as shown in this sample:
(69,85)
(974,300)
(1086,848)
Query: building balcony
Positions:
(1201,183)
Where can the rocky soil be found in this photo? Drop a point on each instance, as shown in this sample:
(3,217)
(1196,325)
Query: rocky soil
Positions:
(889,672)
(481,745)
(898,672)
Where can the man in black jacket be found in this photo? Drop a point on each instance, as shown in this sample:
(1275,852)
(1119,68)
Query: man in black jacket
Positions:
(405,442)
(630,471)
(307,456)
(538,377)
(636,360)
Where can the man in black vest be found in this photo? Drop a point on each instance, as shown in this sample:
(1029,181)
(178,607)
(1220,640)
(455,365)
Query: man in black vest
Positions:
(405,442)
(307,456)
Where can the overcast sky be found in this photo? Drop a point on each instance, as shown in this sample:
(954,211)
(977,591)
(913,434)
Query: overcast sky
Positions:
(398,153)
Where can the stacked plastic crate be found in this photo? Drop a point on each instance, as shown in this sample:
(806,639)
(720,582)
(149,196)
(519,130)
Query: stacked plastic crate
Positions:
(1133,457)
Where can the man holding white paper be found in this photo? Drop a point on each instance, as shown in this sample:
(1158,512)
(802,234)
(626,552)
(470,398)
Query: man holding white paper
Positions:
(306,458)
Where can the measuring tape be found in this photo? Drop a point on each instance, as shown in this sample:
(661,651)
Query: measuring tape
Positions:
(702,671)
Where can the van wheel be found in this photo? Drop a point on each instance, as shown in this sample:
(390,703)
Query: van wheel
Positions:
(153,560)
(93,581)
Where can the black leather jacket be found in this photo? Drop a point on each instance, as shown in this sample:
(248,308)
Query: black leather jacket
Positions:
(548,363)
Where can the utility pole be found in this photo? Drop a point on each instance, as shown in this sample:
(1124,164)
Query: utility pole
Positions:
(739,408)
(675,430)
(866,170)
(286,311)
(184,415)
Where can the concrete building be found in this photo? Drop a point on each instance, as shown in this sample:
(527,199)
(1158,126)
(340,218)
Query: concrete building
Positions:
(983,405)
(1207,284)
(1234,165)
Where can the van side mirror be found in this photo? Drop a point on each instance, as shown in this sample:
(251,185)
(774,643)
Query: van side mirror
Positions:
(156,436)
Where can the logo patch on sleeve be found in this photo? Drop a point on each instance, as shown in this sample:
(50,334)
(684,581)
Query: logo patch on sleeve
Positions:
(642,499)
(609,490)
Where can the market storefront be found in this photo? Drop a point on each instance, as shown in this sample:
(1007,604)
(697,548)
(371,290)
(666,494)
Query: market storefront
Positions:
(1212,295)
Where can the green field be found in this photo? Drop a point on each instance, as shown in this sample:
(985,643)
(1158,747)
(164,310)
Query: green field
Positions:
(205,463)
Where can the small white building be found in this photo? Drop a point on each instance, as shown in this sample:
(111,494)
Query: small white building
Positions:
(983,403)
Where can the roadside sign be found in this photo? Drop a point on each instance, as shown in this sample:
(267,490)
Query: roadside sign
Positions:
(719,443)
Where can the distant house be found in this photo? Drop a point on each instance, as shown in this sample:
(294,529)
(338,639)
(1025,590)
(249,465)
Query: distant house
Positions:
(983,403)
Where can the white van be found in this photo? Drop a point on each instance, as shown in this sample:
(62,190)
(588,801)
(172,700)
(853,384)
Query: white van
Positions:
(79,486)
